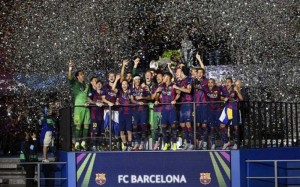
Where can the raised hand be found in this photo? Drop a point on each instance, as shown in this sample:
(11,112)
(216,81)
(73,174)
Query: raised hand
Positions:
(70,65)
(125,62)
(136,61)
(198,57)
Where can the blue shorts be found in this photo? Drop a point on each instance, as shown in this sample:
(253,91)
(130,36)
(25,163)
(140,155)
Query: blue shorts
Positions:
(202,114)
(185,113)
(140,118)
(168,117)
(125,122)
(96,127)
(236,117)
(213,118)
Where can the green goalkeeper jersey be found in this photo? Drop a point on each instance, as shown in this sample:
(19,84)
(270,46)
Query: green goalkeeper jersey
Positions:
(79,91)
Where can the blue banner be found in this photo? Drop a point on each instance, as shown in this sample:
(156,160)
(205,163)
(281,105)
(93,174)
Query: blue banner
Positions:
(190,168)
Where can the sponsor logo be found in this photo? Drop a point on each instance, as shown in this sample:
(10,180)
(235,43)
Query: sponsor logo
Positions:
(100,178)
(205,178)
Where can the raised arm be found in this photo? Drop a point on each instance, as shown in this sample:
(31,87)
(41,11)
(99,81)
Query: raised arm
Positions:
(170,69)
(70,70)
(134,69)
(115,83)
(198,57)
(238,91)
(124,64)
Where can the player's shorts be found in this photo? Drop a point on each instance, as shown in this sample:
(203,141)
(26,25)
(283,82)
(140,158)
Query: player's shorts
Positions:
(125,122)
(48,139)
(82,116)
(140,117)
(185,113)
(213,118)
(168,117)
(202,114)
(96,127)
(236,117)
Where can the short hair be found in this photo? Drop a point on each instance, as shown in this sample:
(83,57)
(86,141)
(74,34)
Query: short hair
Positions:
(168,74)
(125,81)
(77,72)
(159,72)
(99,81)
(185,70)
(212,79)
(149,71)
(202,70)
(93,77)
(229,78)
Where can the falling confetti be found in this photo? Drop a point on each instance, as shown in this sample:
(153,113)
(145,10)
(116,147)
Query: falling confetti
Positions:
(257,40)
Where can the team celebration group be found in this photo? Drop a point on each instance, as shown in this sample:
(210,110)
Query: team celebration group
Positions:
(162,104)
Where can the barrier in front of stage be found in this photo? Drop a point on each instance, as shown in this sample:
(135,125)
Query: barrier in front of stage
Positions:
(190,168)
(257,167)
(193,168)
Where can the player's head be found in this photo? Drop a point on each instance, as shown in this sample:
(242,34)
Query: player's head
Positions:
(238,83)
(185,71)
(129,77)
(137,80)
(111,77)
(167,77)
(148,76)
(99,85)
(229,82)
(201,73)
(125,85)
(194,73)
(159,77)
(211,82)
(93,81)
(79,75)
(178,73)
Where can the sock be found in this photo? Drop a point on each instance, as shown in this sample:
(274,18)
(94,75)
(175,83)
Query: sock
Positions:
(77,134)
(213,136)
(190,135)
(85,133)
(174,134)
(224,135)
(156,134)
(236,135)
(135,134)
(205,132)
(144,131)
(185,134)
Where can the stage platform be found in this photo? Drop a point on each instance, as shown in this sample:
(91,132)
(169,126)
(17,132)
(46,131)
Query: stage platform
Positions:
(236,168)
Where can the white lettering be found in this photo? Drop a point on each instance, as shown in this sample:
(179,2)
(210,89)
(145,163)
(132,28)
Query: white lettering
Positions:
(140,179)
(123,179)
(146,179)
(162,179)
(154,179)
(133,179)
(169,179)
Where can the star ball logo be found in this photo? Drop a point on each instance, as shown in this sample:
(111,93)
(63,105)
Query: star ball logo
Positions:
(205,178)
(100,178)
